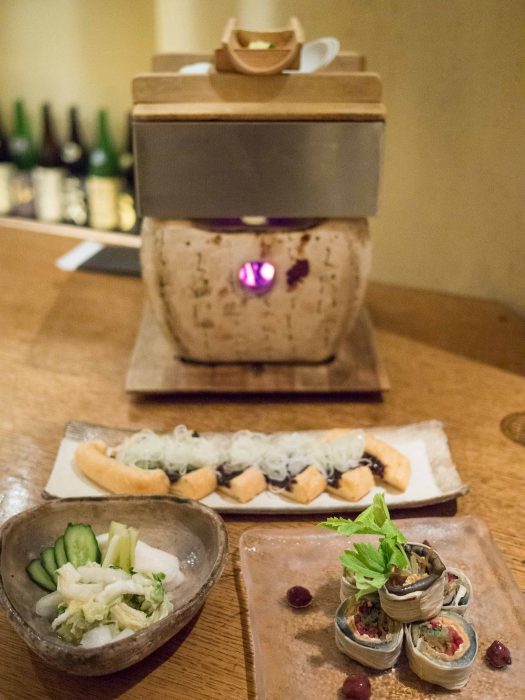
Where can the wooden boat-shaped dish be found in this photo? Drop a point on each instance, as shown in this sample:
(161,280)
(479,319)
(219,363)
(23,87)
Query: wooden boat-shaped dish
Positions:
(283,52)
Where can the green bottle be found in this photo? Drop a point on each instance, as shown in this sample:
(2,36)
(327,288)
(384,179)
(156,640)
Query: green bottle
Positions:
(21,144)
(24,158)
(103,181)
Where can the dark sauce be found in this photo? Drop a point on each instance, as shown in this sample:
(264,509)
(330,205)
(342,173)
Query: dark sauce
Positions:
(334,479)
(286,483)
(225,477)
(375,464)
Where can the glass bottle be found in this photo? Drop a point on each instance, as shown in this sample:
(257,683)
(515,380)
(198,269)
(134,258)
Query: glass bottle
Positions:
(128,220)
(6,172)
(75,159)
(48,175)
(103,181)
(23,155)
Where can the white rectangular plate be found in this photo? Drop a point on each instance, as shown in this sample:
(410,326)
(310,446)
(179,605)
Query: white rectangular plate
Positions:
(434,476)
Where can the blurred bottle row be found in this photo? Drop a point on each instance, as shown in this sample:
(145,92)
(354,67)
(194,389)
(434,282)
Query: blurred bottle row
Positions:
(67,182)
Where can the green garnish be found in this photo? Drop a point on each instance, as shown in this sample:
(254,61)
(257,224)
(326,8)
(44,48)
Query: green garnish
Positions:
(371,566)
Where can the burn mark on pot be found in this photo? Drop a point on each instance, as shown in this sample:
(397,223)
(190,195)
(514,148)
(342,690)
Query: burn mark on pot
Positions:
(327,258)
(203,290)
(223,292)
(199,263)
(206,323)
(302,243)
(299,270)
(265,248)
(217,240)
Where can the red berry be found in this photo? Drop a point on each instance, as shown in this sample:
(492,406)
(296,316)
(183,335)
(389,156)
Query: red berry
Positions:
(498,655)
(357,687)
(298,597)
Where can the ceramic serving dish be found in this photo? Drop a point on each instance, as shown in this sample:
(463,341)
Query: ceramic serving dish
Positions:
(191,531)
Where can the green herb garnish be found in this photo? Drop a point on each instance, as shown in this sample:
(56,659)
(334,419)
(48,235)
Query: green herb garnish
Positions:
(371,566)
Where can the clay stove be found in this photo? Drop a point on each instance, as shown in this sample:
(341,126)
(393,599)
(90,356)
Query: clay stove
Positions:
(256,191)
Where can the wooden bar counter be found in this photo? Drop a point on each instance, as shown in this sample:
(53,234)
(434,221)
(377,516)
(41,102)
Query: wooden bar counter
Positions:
(65,344)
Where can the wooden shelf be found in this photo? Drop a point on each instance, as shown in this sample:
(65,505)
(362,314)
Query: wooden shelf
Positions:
(113,238)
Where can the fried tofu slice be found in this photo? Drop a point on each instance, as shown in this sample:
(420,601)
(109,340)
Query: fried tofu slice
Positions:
(115,476)
(392,466)
(306,486)
(245,486)
(353,484)
(195,484)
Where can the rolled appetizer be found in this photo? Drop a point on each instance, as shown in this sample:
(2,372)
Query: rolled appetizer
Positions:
(238,474)
(291,467)
(442,650)
(415,591)
(457,594)
(365,633)
(408,577)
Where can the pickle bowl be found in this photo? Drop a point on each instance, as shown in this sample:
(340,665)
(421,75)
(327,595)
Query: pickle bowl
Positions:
(187,529)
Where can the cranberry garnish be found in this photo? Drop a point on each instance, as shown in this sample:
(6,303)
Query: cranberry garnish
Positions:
(298,597)
(357,687)
(427,543)
(498,655)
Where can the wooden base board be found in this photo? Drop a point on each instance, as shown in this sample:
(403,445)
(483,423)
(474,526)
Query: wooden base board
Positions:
(154,369)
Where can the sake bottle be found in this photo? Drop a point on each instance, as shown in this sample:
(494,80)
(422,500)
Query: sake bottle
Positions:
(128,221)
(6,172)
(103,182)
(75,159)
(23,155)
(49,175)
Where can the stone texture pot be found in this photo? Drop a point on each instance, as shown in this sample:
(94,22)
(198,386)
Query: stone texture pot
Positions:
(191,278)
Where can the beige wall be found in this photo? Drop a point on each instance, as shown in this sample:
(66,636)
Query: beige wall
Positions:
(452,213)
(82,52)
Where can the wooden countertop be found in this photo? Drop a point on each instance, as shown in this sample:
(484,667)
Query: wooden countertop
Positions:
(65,343)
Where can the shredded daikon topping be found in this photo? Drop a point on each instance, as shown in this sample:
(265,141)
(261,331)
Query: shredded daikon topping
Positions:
(279,456)
(177,452)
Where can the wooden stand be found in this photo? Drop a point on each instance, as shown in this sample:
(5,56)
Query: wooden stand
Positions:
(155,370)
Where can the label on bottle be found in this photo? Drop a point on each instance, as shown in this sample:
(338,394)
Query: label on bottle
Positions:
(6,173)
(75,202)
(49,185)
(71,152)
(127,213)
(22,201)
(102,195)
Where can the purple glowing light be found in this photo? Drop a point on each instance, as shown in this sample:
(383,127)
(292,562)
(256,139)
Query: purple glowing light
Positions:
(257,276)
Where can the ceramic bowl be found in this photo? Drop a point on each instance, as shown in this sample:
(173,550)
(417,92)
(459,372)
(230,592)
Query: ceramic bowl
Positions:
(195,533)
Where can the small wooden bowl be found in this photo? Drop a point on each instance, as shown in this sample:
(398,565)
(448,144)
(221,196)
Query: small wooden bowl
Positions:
(234,53)
(191,531)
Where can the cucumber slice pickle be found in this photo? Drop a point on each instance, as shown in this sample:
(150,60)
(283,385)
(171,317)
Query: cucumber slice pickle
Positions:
(60,552)
(81,545)
(39,575)
(47,557)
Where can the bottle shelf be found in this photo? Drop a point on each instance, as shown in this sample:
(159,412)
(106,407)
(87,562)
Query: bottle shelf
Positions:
(111,238)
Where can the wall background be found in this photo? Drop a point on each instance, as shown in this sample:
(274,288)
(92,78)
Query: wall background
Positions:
(452,213)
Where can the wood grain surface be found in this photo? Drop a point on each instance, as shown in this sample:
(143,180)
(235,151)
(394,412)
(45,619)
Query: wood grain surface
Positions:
(65,345)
